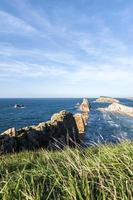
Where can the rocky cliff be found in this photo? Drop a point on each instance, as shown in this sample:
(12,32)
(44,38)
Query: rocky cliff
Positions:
(62,129)
(118,108)
(103,99)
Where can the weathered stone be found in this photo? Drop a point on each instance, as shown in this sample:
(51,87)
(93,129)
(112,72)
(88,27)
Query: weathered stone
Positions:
(118,108)
(58,116)
(59,131)
(85,106)
(80,122)
(10,132)
(85,116)
(42,124)
(103,99)
(65,126)
(8,144)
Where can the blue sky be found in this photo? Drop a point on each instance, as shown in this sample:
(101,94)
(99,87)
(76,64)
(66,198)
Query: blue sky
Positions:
(66,48)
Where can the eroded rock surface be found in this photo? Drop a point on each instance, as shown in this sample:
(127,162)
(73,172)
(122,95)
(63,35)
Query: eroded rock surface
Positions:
(118,108)
(63,129)
(103,99)
(85,106)
(10,132)
(80,122)
(82,118)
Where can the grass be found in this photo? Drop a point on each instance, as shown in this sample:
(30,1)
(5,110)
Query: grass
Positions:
(104,172)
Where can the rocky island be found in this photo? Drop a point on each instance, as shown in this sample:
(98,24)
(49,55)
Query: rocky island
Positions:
(103,99)
(118,108)
(85,105)
(62,129)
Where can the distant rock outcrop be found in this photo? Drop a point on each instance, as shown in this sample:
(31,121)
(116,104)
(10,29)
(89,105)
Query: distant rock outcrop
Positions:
(63,129)
(130,98)
(118,108)
(103,99)
(85,106)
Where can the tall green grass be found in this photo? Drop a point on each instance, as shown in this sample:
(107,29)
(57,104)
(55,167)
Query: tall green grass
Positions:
(104,173)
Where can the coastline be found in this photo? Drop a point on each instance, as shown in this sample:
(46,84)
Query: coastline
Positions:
(62,129)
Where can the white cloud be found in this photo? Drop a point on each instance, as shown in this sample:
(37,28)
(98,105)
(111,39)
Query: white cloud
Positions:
(23,69)
(58,57)
(80,75)
(103,73)
(12,24)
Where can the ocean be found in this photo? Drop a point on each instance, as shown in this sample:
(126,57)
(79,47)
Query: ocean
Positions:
(102,127)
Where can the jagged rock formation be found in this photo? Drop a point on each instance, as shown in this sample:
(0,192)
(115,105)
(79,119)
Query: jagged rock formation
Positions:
(10,132)
(62,129)
(82,118)
(103,99)
(85,106)
(80,122)
(118,108)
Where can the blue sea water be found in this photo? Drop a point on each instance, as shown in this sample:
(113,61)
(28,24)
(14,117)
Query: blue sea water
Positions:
(102,127)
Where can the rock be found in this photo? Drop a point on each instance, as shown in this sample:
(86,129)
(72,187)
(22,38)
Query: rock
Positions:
(85,106)
(118,108)
(85,117)
(80,122)
(63,129)
(130,98)
(42,124)
(82,118)
(65,126)
(10,132)
(58,116)
(8,145)
(103,99)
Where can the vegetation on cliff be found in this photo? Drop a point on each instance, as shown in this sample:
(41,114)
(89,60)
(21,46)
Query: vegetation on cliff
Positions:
(100,172)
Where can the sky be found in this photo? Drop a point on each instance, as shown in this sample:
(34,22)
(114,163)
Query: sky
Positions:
(66,48)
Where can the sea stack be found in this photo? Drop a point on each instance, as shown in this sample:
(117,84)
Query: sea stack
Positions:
(82,118)
(80,123)
(85,106)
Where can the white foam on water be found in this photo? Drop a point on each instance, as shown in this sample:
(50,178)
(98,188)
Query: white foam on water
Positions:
(112,123)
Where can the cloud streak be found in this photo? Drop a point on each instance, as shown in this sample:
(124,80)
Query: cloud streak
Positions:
(21,69)
(102,73)
(12,24)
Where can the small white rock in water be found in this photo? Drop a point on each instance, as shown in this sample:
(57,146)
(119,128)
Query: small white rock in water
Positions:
(118,108)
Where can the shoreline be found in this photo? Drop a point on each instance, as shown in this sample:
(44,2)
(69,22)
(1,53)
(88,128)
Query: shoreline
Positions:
(62,129)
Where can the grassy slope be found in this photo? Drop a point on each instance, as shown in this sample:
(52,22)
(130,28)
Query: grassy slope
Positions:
(104,172)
